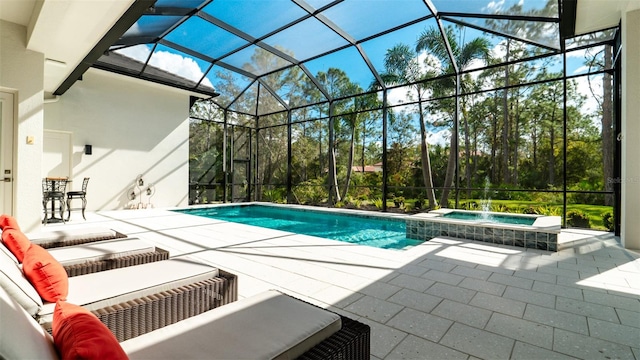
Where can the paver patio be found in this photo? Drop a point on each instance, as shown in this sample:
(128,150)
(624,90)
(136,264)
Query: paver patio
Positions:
(446,298)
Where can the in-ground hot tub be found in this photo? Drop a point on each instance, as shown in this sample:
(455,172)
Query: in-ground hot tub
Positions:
(529,231)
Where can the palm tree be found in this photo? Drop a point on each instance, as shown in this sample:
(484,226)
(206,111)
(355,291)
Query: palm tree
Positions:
(402,67)
(431,40)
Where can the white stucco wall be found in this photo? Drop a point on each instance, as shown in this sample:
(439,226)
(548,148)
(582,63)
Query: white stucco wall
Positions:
(630,177)
(135,127)
(22,73)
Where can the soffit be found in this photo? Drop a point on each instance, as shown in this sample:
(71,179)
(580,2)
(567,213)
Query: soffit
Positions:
(64,31)
(593,15)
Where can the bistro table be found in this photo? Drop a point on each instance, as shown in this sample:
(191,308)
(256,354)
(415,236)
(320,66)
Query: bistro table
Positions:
(56,185)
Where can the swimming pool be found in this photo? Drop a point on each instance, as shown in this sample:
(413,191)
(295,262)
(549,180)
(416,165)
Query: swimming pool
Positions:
(387,233)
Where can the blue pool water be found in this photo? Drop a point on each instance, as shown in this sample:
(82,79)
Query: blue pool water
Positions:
(361,230)
(495,218)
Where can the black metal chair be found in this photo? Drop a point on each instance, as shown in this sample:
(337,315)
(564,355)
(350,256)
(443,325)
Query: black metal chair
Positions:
(53,190)
(82,195)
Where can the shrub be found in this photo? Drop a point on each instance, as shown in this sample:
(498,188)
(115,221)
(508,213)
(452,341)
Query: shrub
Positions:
(607,221)
(378,203)
(576,218)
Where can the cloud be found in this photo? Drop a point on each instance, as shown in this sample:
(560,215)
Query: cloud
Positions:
(174,63)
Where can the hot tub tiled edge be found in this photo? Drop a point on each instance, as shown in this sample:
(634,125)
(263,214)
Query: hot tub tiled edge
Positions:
(542,235)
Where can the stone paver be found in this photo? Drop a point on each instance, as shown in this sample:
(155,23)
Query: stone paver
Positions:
(484,286)
(535,275)
(375,309)
(617,301)
(471,272)
(462,313)
(559,290)
(588,309)
(443,277)
(529,296)
(476,342)
(413,347)
(524,351)
(586,347)
(557,319)
(383,337)
(511,280)
(499,304)
(621,334)
(412,282)
(451,292)
(523,330)
(421,324)
(415,300)
(629,318)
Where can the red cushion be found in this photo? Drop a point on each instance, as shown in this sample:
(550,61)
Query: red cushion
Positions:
(7,221)
(46,274)
(16,242)
(78,334)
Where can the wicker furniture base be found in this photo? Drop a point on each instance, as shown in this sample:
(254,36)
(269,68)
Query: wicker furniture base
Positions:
(115,263)
(136,317)
(60,243)
(352,342)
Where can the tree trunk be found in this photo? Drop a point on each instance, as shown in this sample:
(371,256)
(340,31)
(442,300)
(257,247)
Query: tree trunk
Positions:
(494,143)
(425,158)
(516,138)
(467,148)
(451,167)
(505,122)
(552,158)
(352,151)
(607,127)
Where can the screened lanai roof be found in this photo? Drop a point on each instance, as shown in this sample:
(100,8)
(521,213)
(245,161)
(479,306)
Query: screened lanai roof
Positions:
(239,51)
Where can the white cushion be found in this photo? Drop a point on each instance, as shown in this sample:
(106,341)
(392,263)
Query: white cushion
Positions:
(107,288)
(12,280)
(101,250)
(21,337)
(44,237)
(8,252)
(269,325)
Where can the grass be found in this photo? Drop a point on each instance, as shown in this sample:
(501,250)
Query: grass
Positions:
(594,212)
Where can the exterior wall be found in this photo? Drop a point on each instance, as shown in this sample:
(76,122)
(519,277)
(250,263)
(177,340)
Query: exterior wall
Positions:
(135,128)
(22,73)
(630,177)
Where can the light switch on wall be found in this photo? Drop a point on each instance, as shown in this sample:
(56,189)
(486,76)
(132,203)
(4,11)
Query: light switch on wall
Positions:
(30,140)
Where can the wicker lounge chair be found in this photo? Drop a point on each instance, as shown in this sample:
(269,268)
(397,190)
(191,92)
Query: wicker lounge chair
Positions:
(132,300)
(75,236)
(245,330)
(102,255)
(106,255)
(334,337)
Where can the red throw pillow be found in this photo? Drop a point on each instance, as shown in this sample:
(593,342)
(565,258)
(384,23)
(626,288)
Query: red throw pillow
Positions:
(16,242)
(46,274)
(78,334)
(8,222)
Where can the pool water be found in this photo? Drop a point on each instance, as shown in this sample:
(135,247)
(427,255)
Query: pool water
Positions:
(495,218)
(361,230)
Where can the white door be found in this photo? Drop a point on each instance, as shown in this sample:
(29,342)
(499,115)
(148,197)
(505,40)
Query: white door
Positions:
(6,153)
(56,154)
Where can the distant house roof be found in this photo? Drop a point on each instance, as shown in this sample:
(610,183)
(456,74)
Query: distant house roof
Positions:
(368,168)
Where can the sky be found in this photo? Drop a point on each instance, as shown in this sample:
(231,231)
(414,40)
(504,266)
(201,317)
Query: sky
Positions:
(359,18)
